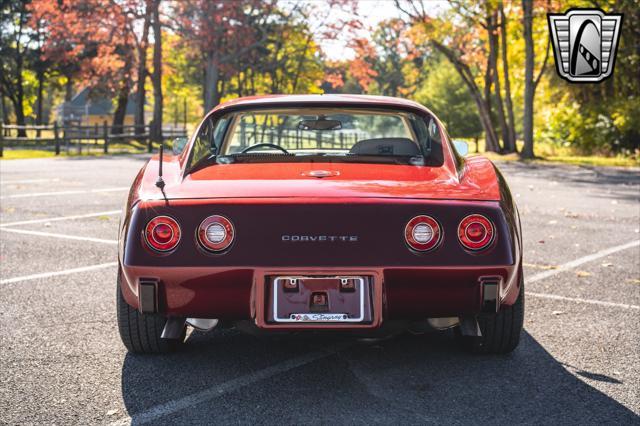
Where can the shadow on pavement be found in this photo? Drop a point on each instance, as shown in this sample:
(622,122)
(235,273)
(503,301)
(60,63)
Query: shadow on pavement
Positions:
(624,181)
(404,380)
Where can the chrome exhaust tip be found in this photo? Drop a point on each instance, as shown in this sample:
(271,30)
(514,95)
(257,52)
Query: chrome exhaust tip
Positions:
(202,324)
(443,323)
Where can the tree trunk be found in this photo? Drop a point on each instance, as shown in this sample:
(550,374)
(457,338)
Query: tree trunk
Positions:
(18,102)
(39,98)
(157,73)
(511,145)
(493,62)
(68,89)
(490,145)
(5,110)
(121,107)
(527,120)
(142,72)
(18,108)
(212,74)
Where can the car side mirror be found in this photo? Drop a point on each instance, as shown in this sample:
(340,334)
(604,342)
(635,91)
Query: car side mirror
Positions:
(461,147)
(179,144)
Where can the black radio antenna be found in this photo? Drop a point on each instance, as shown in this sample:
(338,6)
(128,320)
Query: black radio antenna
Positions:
(160,182)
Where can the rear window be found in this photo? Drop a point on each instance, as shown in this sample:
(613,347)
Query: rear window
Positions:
(336,134)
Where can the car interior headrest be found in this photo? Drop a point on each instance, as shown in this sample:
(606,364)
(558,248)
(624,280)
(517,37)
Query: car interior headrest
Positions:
(385,146)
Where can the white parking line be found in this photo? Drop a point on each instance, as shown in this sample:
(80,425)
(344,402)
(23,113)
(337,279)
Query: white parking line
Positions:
(64,236)
(216,391)
(580,261)
(573,264)
(18,182)
(71,192)
(57,273)
(579,300)
(56,219)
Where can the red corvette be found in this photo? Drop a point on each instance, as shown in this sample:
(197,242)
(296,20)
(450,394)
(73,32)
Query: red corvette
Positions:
(320,212)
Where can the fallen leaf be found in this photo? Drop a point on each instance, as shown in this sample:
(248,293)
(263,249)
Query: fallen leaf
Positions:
(545,267)
(541,241)
(583,274)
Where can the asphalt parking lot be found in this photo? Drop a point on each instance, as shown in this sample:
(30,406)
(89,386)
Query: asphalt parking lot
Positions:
(63,363)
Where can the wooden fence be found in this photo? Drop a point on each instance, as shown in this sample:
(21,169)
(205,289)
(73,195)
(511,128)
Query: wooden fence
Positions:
(82,138)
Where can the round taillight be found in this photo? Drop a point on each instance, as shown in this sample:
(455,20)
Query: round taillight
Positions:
(476,232)
(423,233)
(216,233)
(162,233)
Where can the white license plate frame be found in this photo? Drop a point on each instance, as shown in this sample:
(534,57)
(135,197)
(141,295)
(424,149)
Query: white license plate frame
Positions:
(319,317)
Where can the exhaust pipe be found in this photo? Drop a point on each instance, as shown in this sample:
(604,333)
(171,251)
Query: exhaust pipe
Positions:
(202,324)
(173,328)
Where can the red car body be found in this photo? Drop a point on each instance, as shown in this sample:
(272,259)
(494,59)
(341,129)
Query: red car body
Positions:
(281,212)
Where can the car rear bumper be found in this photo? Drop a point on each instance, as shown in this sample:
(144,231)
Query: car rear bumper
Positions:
(397,293)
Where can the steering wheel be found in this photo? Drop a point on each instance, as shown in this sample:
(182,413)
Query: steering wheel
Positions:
(264,145)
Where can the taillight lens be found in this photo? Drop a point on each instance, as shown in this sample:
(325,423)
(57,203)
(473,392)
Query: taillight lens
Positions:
(423,233)
(476,232)
(162,233)
(216,233)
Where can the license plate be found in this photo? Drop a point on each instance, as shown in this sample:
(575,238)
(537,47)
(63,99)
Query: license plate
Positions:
(299,299)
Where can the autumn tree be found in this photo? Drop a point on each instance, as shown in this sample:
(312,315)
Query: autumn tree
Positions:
(465,47)
(95,41)
(219,33)
(14,33)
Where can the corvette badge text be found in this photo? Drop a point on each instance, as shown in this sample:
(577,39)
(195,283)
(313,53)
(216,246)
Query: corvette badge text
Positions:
(585,42)
(320,238)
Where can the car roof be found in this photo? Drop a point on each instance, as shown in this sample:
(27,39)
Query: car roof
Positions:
(360,100)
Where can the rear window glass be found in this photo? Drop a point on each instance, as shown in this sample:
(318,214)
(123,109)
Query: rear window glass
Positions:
(348,134)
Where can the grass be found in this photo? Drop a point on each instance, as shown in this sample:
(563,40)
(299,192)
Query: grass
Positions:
(88,150)
(19,154)
(22,154)
(577,160)
(551,154)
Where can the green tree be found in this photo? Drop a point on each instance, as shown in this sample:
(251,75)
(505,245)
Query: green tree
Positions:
(446,95)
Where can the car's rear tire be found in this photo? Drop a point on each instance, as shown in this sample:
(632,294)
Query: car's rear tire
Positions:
(500,331)
(139,332)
